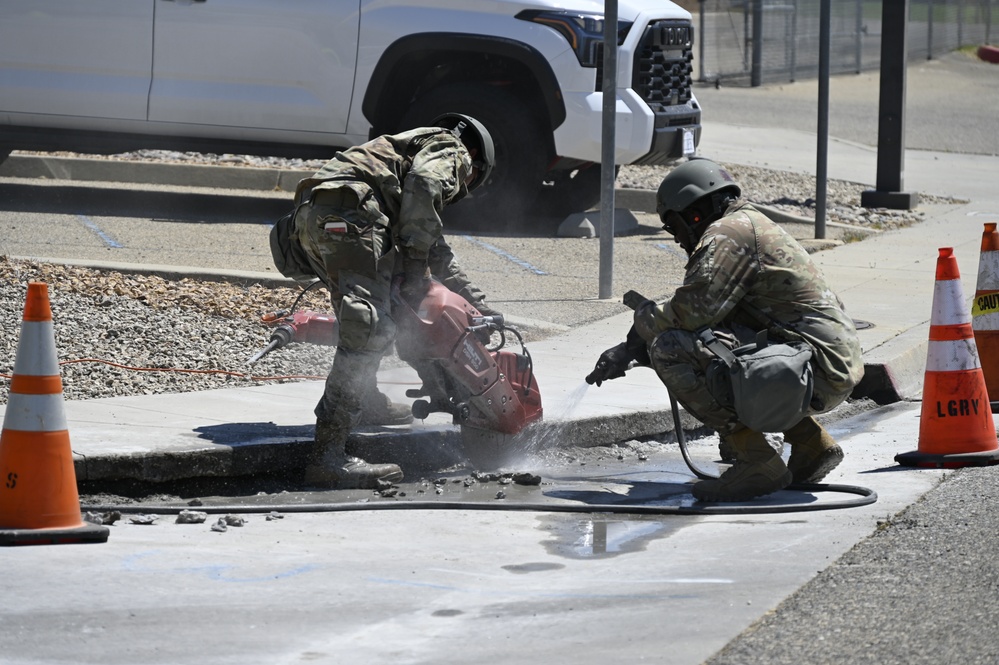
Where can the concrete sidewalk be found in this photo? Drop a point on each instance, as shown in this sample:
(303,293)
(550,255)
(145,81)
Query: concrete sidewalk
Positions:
(886,281)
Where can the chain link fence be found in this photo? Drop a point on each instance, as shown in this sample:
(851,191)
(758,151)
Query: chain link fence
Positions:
(751,42)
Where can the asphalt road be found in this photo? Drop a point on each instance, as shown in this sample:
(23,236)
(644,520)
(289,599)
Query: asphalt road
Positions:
(950,105)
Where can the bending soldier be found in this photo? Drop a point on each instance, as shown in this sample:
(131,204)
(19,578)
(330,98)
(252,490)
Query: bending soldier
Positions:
(372,214)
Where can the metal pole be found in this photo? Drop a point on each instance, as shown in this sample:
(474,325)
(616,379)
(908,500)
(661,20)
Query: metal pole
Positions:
(822,149)
(756,75)
(891,112)
(794,40)
(700,45)
(960,23)
(860,30)
(988,21)
(929,29)
(607,157)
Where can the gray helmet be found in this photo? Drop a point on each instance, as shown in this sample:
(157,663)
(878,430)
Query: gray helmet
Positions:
(475,137)
(692,181)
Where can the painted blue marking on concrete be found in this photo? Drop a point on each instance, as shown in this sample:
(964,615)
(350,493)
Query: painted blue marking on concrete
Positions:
(92,225)
(221,572)
(672,248)
(506,255)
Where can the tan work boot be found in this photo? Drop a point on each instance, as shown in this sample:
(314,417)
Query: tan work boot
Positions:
(758,470)
(725,450)
(331,467)
(814,453)
(378,409)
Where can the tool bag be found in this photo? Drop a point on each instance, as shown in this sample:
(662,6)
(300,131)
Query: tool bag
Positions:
(769,385)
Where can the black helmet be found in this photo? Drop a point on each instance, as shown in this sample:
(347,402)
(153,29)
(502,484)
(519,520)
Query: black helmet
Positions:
(693,195)
(692,181)
(475,137)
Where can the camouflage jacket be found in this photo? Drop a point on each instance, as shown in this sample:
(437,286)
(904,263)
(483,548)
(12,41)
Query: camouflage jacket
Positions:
(746,256)
(412,176)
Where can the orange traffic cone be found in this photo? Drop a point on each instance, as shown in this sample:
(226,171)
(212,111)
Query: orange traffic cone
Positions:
(955,425)
(985,312)
(39,502)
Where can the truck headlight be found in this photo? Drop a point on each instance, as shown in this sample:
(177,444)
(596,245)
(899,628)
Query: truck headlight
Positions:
(583,31)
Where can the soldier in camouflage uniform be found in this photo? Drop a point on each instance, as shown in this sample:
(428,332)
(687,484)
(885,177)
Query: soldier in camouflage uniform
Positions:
(739,256)
(372,214)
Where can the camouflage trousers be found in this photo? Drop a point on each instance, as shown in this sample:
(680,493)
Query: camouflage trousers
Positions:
(352,241)
(682,363)
(688,370)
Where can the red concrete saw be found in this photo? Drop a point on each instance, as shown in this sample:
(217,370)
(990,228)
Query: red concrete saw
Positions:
(460,356)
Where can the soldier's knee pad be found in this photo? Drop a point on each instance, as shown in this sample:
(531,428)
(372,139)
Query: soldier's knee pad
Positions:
(364,327)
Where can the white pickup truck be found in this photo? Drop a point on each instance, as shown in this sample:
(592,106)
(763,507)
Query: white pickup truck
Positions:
(306,77)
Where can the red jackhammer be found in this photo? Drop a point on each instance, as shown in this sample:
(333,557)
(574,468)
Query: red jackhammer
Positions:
(304,326)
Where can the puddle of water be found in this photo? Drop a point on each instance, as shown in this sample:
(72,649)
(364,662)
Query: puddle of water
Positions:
(602,538)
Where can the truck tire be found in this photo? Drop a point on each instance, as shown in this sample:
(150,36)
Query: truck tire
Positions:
(506,200)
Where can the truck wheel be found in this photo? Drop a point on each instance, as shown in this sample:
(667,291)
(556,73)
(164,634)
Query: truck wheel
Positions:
(507,199)
(569,191)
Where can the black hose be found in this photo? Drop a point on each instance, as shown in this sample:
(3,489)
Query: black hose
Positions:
(681,439)
(866,496)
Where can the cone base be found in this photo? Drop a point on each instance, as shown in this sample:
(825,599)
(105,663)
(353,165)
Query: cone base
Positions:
(950,461)
(88,533)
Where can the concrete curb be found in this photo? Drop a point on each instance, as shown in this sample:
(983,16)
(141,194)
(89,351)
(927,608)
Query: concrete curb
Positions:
(419,452)
(151,173)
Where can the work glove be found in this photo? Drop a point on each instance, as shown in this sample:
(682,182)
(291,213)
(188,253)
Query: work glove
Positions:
(644,318)
(637,349)
(611,365)
(415,281)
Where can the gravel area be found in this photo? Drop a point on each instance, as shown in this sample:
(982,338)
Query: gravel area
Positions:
(204,330)
(188,335)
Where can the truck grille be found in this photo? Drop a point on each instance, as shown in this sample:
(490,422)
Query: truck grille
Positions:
(663,68)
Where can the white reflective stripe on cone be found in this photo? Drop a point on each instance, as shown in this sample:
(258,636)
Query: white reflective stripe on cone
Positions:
(35,413)
(36,351)
(985,322)
(948,304)
(952,356)
(988,271)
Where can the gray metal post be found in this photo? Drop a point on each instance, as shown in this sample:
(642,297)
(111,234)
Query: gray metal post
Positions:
(756,75)
(860,32)
(700,39)
(891,112)
(929,29)
(960,23)
(607,149)
(988,21)
(822,148)
(794,40)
